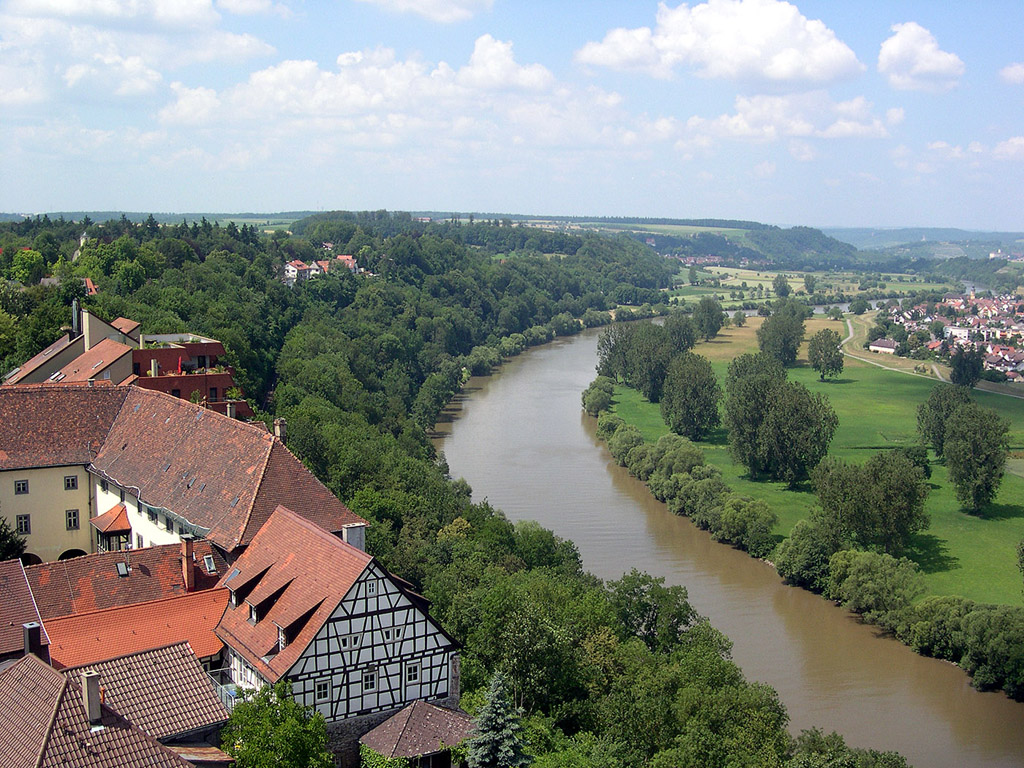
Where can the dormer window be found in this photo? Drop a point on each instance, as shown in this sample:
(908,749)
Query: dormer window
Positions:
(282,639)
(253,616)
(233,601)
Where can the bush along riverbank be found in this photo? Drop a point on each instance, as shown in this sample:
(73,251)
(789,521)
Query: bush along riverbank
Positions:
(986,641)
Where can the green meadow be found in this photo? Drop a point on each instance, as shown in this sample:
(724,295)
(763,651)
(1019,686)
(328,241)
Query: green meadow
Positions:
(960,554)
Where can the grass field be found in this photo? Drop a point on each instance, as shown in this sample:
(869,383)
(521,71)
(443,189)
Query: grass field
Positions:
(961,554)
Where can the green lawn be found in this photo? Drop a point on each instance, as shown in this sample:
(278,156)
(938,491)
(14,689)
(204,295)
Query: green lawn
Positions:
(960,554)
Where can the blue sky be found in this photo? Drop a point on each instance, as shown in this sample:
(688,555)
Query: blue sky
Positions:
(822,113)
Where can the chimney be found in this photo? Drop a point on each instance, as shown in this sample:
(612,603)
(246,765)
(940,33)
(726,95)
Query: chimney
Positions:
(90,382)
(280,429)
(188,568)
(32,634)
(229,410)
(154,367)
(91,696)
(76,320)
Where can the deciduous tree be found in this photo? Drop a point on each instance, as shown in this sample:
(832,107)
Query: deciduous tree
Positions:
(976,445)
(690,396)
(824,354)
(708,317)
(269,729)
(966,367)
(796,432)
(748,382)
(934,412)
(781,334)
(781,286)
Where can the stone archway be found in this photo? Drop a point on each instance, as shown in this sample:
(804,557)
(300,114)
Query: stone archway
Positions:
(67,554)
(29,559)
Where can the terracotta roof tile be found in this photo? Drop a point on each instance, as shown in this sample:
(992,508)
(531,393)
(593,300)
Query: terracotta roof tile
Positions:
(124,325)
(114,520)
(45,724)
(221,474)
(18,607)
(164,691)
(90,583)
(48,426)
(318,570)
(419,729)
(87,364)
(89,637)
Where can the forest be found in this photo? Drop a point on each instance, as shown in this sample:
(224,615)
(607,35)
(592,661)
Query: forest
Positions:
(622,673)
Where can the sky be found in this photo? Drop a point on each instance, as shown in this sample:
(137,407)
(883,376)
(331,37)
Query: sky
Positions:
(818,112)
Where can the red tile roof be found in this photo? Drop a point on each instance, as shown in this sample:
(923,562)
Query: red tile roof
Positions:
(49,426)
(91,363)
(221,474)
(89,637)
(45,725)
(316,570)
(114,520)
(125,326)
(18,605)
(91,583)
(418,730)
(164,691)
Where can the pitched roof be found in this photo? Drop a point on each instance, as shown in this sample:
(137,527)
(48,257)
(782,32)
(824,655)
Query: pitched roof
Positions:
(91,582)
(89,637)
(125,326)
(114,520)
(39,359)
(19,607)
(86,365)
(164,691)
(45,724)
(419,729)
(53,425)
(314,568)
(221,474)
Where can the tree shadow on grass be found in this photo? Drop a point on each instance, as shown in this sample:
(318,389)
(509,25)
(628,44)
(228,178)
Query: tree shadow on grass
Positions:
(931,553)
(839,381)
(1000,512)
(716,437)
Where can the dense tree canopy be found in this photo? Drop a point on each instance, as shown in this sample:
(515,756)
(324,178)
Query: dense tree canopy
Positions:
(976,444)
(690,396)
(824,353)
(781,334)
(708,317)
(934,412)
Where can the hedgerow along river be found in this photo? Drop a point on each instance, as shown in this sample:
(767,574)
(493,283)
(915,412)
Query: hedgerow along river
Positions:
(523,443)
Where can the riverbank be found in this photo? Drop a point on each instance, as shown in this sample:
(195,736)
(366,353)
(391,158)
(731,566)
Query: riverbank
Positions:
(521,441)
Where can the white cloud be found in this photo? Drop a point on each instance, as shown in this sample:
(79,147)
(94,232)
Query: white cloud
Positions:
(444,11)
(1013,73)
(194,106)
(807,115)
(253,7)
(802,151)
(760,40)
(123,76)
(492,66)
(163,14)
(895,115)
(911,60)
(1011,149)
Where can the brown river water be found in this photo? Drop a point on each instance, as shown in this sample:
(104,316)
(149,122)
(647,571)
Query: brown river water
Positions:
(522,442)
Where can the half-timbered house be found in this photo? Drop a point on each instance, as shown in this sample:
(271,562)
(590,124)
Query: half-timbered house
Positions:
(354,642)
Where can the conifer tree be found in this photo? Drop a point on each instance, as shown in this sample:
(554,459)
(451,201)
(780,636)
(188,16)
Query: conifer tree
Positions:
(497,742)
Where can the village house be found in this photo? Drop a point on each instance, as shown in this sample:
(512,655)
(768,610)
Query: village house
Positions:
(86,469)
(883,346)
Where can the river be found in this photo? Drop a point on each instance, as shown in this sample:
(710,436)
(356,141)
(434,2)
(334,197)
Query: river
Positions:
(522,442)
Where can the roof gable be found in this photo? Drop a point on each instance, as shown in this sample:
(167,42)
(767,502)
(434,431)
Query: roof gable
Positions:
(418,730)
(304,573)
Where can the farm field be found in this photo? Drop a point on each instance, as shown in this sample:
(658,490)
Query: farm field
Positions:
(972,556)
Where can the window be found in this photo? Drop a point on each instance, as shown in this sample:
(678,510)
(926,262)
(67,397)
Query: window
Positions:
(139,541)
(208,564)
(213,394)
(24,524)
(398,633)
(323,691)
(71,482)
(71,519)
(349,641)
(412,672)
(282,639)
(252,614)
(387,634)
(371,587)
(168,523)
(369,680)
(151,514)
(122,494)
(20,487)
(104,486)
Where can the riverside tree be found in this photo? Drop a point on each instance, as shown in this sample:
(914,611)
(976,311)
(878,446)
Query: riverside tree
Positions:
(748,381)
(934,412)
(781,334)
(796,432)
(709,317)
(975,446)
(690,396)
(824,354)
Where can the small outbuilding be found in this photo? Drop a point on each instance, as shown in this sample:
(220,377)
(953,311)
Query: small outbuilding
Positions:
(422,733)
